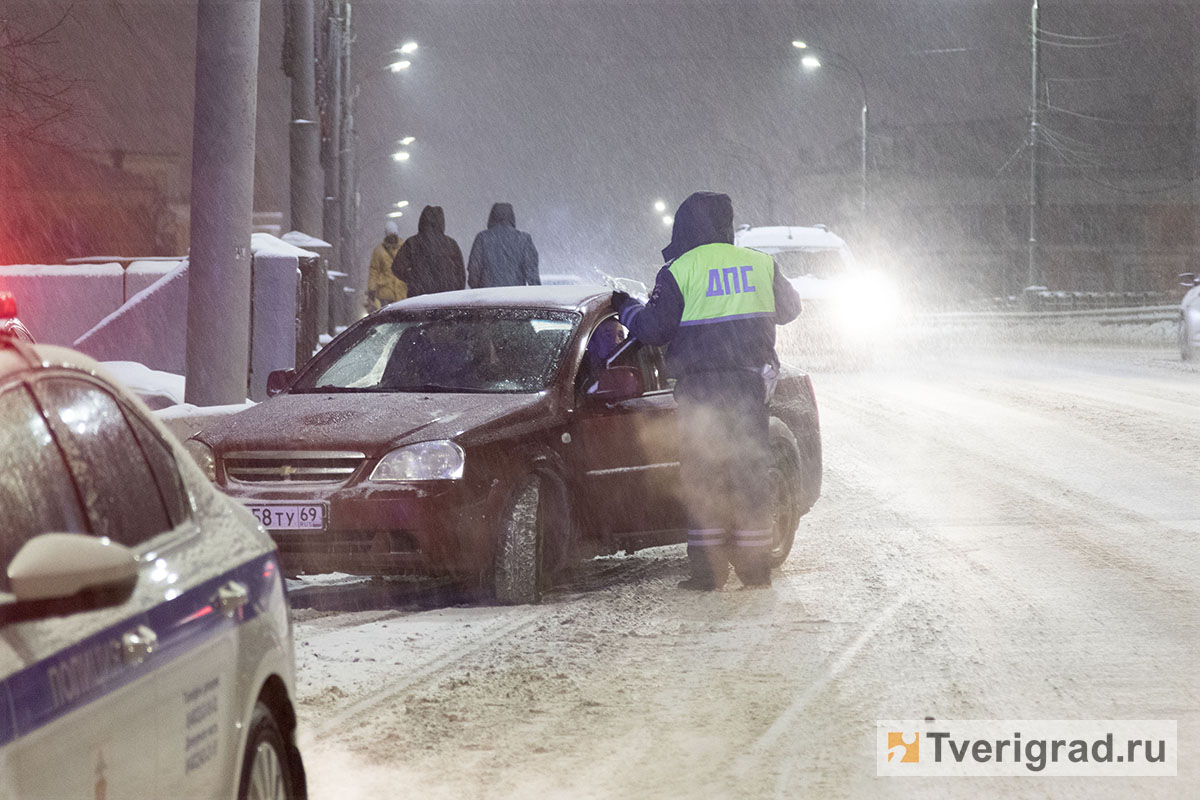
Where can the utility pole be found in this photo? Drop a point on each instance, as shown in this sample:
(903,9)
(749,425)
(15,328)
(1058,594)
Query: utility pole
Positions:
(217,354)
(305,133)
(1035,178)
(347,187)
(331,144)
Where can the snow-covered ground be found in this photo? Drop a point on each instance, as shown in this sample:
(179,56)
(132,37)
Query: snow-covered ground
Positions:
(1006,532)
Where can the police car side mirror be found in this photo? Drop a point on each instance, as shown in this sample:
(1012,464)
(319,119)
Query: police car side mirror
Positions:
(617,383)
(61,573)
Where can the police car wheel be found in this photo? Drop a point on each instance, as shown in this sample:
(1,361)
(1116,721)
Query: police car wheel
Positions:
(534,507)
(265,768)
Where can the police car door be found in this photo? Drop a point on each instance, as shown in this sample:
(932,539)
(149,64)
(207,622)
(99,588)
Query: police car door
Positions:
(84,711)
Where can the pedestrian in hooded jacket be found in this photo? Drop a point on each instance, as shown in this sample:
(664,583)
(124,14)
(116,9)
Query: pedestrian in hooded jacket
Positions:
(382,286)
(502,255)
(430,261)
(716,307)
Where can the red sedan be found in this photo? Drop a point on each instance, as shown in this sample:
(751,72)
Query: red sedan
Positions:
(491,434)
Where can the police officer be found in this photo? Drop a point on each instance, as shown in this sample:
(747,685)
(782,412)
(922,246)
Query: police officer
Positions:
(717,306)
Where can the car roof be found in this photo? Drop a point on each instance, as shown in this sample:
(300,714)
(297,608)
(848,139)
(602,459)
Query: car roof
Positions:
(568,297)
(777,238)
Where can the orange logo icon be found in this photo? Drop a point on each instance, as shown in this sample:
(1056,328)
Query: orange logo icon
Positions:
(904,747)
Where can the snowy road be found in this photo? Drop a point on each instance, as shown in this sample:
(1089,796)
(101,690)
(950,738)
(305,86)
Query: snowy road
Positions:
(1002,535)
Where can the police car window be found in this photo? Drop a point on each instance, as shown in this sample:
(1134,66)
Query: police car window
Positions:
(118,490)
(162,462)
(37,494)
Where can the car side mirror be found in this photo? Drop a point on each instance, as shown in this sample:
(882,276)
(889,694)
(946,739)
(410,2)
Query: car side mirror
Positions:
(617,383)
(278,380)
(64,573)
(1188,279)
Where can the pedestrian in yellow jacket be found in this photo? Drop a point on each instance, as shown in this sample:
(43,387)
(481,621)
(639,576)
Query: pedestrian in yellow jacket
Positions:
(383,286)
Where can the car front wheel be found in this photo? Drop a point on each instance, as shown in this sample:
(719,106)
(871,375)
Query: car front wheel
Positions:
(266,773)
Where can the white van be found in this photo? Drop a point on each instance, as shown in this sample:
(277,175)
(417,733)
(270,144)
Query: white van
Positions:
(847,307)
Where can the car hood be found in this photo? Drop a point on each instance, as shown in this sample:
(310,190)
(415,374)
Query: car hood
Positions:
(372,423)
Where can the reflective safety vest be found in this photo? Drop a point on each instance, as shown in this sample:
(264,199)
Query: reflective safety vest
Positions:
(721,282)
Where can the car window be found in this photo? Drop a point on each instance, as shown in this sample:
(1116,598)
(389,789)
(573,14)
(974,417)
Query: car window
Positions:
(119,492)
(819,264)
(487,350)
(648,360)
(37,494)
(162,463)
(603,341)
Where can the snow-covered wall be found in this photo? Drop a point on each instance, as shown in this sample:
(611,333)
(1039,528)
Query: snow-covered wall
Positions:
(150,328)
(59,303)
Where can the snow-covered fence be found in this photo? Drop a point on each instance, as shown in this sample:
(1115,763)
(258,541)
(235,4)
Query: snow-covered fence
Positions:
(61,302)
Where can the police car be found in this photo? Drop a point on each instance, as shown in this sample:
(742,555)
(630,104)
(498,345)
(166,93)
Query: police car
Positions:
(145,637)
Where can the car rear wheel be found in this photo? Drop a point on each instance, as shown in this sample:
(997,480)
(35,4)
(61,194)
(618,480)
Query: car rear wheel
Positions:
(783,479)
(266,771)
(534,539)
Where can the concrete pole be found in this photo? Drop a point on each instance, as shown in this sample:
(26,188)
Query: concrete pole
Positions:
(222,203)
(347,187)
(1033,276)
(331,156)
(305,130)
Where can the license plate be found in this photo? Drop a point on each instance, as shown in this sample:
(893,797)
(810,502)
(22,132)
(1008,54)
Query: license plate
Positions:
(279,517)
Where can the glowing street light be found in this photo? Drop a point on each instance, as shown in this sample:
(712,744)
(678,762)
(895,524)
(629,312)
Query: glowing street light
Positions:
(395,214)
(660,206)
(407,48)
(399,66)
(402,155)
(401,204)
(407,140)
(667,219)
(812,62)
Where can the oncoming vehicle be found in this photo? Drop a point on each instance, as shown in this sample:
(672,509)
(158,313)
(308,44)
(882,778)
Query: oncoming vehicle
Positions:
(1189,317)
(847,309)
(145,637)
(490,434)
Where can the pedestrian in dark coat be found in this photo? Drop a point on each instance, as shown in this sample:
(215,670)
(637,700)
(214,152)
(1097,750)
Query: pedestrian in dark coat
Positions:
(716,307)
(502,255)
(430,261)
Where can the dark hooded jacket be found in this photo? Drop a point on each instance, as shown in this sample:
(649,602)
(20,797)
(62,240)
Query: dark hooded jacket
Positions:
(430,261)
(502,255)
(725,345)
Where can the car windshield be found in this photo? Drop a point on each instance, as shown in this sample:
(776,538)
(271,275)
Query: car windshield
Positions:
(493,350)
(818,263)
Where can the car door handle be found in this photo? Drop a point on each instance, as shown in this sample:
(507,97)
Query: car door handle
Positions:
(137,644)
(232,597)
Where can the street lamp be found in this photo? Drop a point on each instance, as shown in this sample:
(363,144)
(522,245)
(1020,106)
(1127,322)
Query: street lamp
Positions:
(811,61)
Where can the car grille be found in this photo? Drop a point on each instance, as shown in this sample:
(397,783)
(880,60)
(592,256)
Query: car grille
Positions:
(291,466)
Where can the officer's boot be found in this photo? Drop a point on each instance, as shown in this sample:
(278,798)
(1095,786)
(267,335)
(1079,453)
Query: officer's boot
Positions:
(709,564)
(752,558)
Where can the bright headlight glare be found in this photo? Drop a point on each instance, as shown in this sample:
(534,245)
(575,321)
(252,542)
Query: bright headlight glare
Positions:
(202,454)
(425,461)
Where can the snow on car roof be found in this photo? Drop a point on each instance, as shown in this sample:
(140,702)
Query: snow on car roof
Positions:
(777,238)
(567,296)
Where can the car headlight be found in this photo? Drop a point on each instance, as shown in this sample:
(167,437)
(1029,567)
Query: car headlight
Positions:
(202,454)
(441,460)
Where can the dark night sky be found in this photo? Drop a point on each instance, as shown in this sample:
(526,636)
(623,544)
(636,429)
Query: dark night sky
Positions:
(582,113)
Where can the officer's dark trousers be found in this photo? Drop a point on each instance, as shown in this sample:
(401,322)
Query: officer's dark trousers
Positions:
(724,457)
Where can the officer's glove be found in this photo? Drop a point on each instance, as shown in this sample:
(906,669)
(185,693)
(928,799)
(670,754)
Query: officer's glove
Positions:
(620,300)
